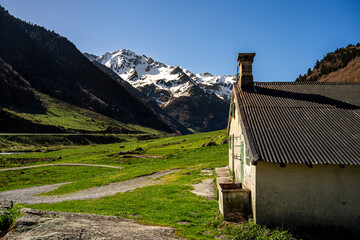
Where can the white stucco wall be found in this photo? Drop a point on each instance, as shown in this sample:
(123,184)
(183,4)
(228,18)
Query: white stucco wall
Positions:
(298,195)
(250,183)
(234,134)
(249,170)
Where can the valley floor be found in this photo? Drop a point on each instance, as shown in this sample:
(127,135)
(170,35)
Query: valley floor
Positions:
(165,199)
(163,182)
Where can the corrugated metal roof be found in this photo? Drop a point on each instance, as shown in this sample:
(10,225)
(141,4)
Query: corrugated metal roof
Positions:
(306,123)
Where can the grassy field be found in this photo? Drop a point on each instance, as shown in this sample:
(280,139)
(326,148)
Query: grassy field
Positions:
(72,118)
(50,174)
(169,203)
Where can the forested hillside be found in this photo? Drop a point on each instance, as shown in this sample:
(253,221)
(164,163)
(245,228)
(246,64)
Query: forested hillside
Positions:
(343,65)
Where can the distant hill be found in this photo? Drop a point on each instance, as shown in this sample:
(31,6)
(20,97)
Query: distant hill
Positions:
(54,66)
(343,65)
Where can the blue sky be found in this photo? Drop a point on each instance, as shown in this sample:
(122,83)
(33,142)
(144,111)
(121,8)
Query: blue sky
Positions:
(204,35)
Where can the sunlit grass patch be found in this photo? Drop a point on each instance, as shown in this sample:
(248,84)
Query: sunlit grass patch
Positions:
(50,175)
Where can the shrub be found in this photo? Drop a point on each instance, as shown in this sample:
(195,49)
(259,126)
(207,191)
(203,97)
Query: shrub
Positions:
(8,217)
(245,230)
(253,231)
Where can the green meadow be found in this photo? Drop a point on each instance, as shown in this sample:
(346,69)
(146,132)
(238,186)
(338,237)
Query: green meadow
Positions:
(168,203)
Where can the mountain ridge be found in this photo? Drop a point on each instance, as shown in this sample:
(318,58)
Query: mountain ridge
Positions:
(142,97)
(198,101)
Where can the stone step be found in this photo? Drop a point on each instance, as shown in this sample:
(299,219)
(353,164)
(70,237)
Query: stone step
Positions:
(222,171)
(224,180)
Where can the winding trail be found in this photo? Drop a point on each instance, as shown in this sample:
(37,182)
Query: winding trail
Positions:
(28,195)
(60,164)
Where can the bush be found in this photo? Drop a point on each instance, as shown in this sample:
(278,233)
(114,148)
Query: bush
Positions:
(253,231)
(245,230)
(8,217)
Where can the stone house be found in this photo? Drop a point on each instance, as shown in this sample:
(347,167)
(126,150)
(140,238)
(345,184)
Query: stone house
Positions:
(296,147)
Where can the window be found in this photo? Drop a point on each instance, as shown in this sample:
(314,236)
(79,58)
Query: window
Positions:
(233,109)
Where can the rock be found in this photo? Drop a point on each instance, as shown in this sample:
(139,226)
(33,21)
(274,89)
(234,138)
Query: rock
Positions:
(176,70)
(206,189)
(5,204)
(35,224)
(207,171)
(139,149)
(150,60)
(207,144)
(183,223)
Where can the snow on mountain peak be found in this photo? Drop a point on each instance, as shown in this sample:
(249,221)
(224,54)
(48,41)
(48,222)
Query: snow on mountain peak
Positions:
(160,81)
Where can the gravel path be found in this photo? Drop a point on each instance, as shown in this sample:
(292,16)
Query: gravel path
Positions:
(59,164)
(28,195)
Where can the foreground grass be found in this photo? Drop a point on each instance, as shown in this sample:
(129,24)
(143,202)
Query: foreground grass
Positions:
(169,203)
(172,204)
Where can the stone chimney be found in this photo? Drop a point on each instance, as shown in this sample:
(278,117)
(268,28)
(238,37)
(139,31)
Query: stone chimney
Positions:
(244,77)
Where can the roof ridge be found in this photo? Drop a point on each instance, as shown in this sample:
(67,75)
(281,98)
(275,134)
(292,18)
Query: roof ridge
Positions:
(307,83)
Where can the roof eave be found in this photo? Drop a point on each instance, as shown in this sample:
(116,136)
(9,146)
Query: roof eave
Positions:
(245,126)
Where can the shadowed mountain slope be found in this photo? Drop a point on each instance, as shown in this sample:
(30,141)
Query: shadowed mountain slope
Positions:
(54,66)
(13,88)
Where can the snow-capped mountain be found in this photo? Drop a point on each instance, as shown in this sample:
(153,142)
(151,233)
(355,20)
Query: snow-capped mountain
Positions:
(173,88)
(142,71)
